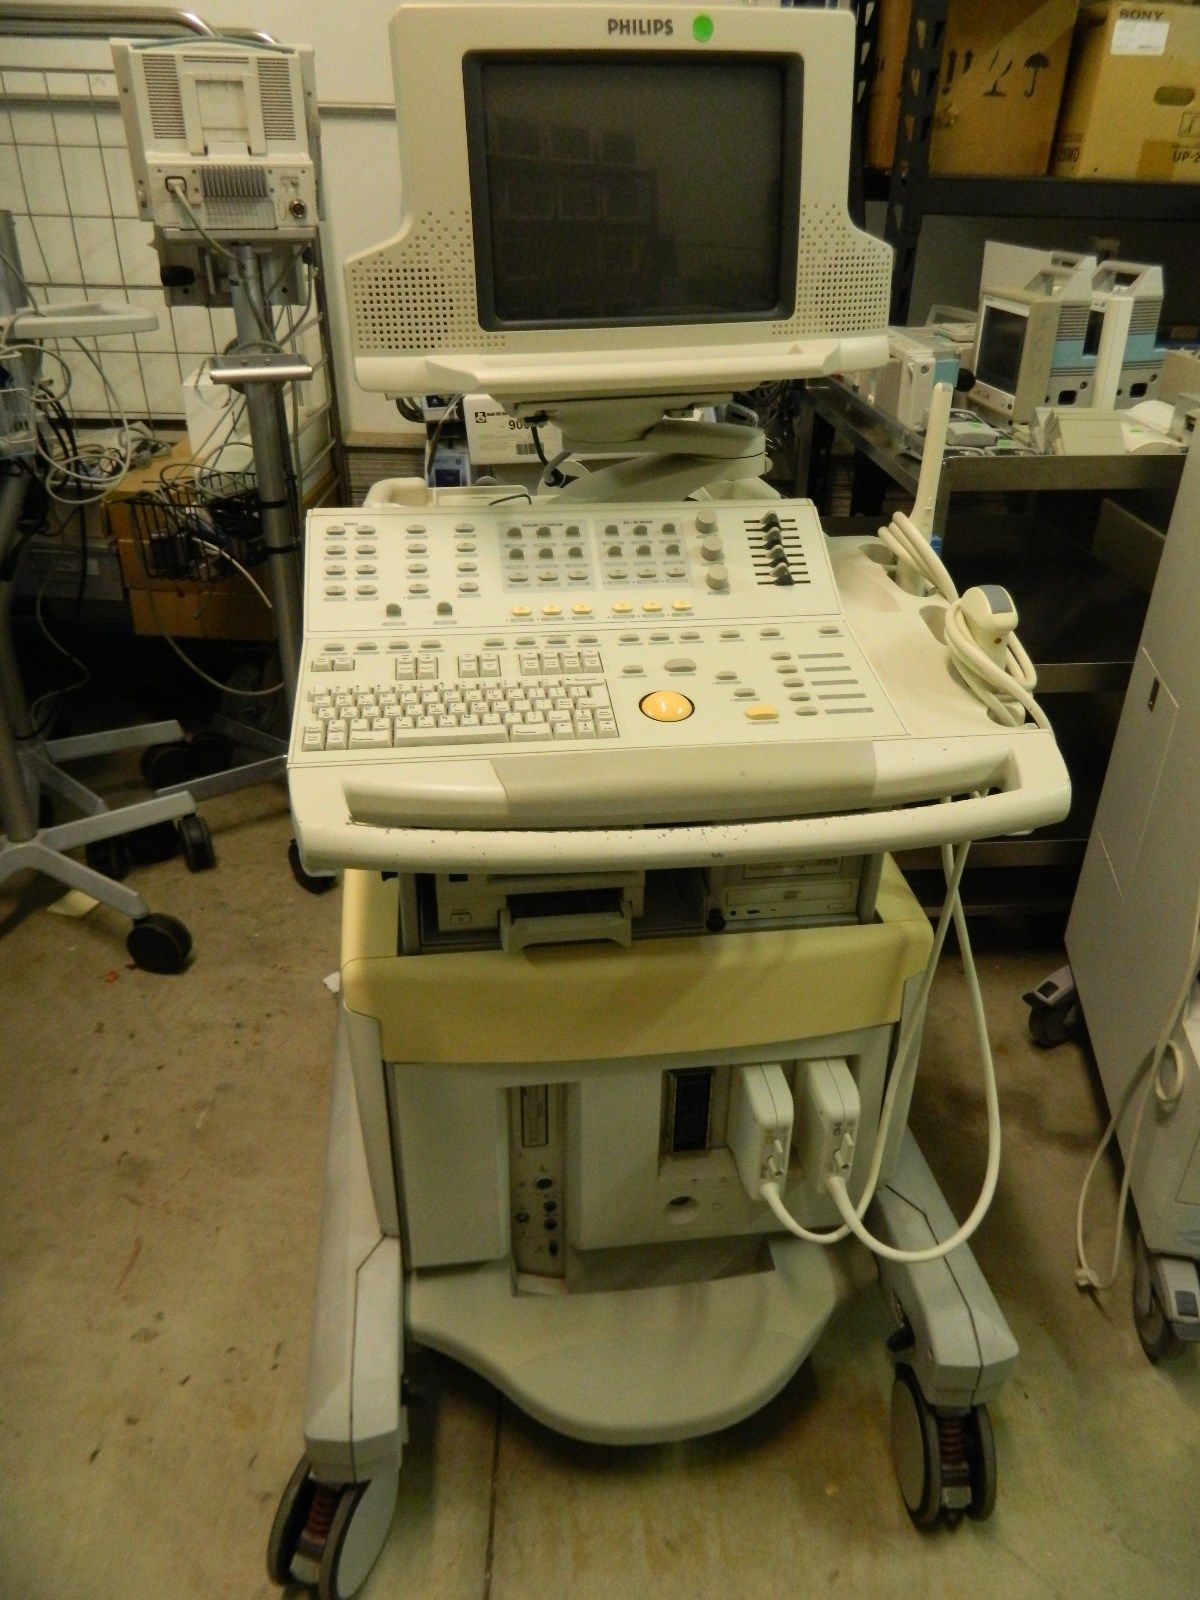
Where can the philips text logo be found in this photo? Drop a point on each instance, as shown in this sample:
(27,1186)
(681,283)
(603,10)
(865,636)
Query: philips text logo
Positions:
(642,27)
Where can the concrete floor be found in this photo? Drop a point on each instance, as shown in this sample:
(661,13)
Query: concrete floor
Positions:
(161,1152)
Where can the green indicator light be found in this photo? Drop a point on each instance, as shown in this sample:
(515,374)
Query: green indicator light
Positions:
(702,28)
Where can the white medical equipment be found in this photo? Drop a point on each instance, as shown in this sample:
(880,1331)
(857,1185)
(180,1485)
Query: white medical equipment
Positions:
(631,993)
(1134,953)
(1127,301)
(224,143)
(1034,310)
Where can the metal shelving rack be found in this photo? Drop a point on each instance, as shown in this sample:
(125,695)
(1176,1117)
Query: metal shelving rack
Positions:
(912,192)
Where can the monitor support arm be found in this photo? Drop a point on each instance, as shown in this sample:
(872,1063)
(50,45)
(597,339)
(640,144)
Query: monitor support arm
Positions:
(664,457)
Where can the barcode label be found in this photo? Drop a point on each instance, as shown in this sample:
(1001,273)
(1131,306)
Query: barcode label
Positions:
(524,449)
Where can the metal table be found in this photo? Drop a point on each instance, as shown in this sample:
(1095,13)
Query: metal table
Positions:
(1080,619)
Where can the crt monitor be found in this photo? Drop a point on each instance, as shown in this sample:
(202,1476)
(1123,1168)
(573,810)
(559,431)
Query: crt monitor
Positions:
(641,203)
(1000,342)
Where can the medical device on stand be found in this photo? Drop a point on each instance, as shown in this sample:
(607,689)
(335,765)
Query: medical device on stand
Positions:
(32,767)
(631,990)
(224,141)
(1134,952)
(1034,311)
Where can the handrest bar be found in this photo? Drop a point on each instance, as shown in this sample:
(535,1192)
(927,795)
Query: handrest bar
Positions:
(1036,791)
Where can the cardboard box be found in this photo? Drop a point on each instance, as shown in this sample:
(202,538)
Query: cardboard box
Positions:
(1132,106)
(1001,83)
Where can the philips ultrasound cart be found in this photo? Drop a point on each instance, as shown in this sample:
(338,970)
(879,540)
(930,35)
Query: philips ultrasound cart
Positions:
(631,990)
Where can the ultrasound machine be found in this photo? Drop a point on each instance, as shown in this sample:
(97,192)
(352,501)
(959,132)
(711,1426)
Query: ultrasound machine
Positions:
(632,990)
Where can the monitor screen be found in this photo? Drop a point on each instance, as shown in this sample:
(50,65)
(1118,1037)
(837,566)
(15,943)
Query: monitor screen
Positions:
(611,189)
(1001,339)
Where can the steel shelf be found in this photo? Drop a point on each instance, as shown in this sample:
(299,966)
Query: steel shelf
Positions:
(946,194)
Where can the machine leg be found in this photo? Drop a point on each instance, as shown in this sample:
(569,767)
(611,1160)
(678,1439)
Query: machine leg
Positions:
(952,1351)
(1166,1302)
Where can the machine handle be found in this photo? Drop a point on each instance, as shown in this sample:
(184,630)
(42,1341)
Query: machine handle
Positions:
(1035,790)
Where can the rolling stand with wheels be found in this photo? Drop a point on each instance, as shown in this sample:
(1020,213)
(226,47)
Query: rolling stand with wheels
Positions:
(33,769)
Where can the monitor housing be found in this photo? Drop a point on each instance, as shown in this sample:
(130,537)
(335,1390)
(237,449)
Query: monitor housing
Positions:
(594,206)
(232,124)
(1127,301)
(1034,308)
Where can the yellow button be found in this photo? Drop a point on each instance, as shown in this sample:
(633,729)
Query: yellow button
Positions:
(623,606)
(552,611)
(666,705)
(651,605)
(582,611)
(681,605)
(522,611)
(762,713)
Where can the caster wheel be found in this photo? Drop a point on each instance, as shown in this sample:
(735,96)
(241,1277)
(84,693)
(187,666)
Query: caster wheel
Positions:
(916,1450)
(312,882)
(1054,1025)
(329,1537)
(109,856)
(981,1463)
(159,943)
(158,842)
(289,1522)
(208,753)
(166,764)
(195,841)
(1158,1338)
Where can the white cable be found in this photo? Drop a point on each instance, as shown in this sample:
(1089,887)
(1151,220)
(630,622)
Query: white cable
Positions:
(953,863)
(216,550)
(1005,690)
(431,446)
(225,688)
(185,205)
(1149,1079)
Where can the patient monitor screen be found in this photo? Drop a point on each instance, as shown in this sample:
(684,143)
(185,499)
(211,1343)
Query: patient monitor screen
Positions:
(618,189)
(1001,340)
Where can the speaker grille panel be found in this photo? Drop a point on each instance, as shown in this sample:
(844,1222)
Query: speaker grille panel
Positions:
(275,90)
(163,97)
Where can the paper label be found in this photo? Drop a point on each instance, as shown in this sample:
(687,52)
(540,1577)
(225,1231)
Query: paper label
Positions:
(1132,36)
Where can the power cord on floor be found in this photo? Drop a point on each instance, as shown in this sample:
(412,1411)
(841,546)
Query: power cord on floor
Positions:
(1149,1080)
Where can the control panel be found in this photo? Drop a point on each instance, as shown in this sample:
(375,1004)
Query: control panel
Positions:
(510,626)
(393,569)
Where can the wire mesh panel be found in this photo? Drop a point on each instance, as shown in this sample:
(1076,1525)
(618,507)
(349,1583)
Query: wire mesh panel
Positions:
(65,176)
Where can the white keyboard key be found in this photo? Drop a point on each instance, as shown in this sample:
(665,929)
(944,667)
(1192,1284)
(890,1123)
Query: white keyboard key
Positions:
(532,718)
(491,719)
(447,721)
(336,737)
(381,725)
(469,721)
(512,719)
(406,667)
(344,664)
(359,725)
(531,733)
(445,736)
(371,739)
(489,666)
(313,738)
(584,732)
(322,666)
(327,714)
(591,661)
(559,719)
(427,668)
(527,661)
(399,724)
(456,708)
(571,661)
(468,666)
(564,733)
(426,722)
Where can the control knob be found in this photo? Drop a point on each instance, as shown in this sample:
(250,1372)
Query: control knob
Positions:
(717,577)
(711,547)
(706,522)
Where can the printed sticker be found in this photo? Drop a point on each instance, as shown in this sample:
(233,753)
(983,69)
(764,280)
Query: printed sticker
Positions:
(1134,37)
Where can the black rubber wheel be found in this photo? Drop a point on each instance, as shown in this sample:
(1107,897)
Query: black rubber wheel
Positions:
(310,881)
(158,842)
(1155,1334)
(1050,1026)
(159,943)
(208,753)
(195,841)
(981,1460)
(164,765)
(290,1517)
(108,856)
(916,1449)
